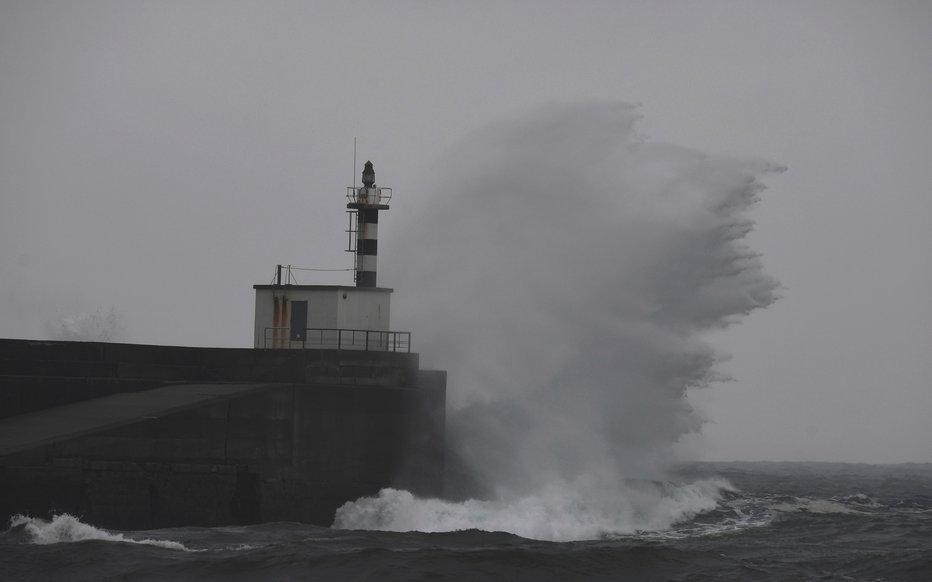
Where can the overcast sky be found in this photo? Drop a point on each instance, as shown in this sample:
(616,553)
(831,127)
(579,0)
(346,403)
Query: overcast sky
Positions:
(159,158)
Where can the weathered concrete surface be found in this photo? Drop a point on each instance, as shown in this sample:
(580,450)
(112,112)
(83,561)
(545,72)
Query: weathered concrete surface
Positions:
(42,374)
(341,426)
(28,431)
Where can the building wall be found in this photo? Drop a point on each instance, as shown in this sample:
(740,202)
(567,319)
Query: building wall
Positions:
(362,308)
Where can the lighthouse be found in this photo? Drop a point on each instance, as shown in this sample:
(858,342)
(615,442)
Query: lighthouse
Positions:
(292,316)
(365,203)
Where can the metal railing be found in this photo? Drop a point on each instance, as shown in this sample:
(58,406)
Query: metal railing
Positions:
(338,339)
(375,196)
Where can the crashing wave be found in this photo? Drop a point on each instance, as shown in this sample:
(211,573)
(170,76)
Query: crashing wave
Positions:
(66,528)
(559,512)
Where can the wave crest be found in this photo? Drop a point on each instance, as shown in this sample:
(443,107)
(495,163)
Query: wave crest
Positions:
(66,528)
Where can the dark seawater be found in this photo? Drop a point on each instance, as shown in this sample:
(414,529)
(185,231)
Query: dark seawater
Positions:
(785,521)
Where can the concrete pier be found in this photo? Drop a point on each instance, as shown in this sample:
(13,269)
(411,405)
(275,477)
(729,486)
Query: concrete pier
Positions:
(139,437)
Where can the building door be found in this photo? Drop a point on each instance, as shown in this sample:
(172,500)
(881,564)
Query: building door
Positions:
(298,321)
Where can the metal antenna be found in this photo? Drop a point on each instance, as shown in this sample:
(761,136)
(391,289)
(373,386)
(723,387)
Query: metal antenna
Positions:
(349,246)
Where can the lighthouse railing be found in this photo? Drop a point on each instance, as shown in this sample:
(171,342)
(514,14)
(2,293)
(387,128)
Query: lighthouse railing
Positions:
(375,196)
(337,339)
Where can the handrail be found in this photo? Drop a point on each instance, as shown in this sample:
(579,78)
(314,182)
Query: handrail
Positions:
(338,339)
(375,196)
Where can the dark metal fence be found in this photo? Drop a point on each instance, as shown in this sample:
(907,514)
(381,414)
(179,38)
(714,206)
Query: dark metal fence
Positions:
(338,339)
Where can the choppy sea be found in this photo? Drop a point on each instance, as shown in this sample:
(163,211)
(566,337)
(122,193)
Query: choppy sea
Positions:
(771,521)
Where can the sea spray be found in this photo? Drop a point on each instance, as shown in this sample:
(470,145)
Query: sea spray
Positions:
(564,269)
(96,326)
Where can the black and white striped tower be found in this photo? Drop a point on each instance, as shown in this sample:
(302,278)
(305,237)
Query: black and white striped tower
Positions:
(366,202)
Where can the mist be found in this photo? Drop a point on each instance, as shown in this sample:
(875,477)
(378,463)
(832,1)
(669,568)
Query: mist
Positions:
(94,326)
(566,270)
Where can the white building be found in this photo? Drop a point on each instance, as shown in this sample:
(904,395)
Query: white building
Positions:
(325,316)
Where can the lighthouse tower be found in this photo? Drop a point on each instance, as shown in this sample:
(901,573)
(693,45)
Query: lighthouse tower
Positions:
(291,316)
(365,203)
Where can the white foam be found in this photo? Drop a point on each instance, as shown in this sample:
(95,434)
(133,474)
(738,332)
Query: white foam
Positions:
(66,528)
(559,512)
(819,506)
(242,548)
(859,500)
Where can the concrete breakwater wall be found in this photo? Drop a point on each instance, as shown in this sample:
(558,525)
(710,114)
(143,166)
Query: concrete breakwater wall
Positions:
(138,437)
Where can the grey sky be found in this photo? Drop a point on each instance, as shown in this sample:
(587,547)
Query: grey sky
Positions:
(161,157)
